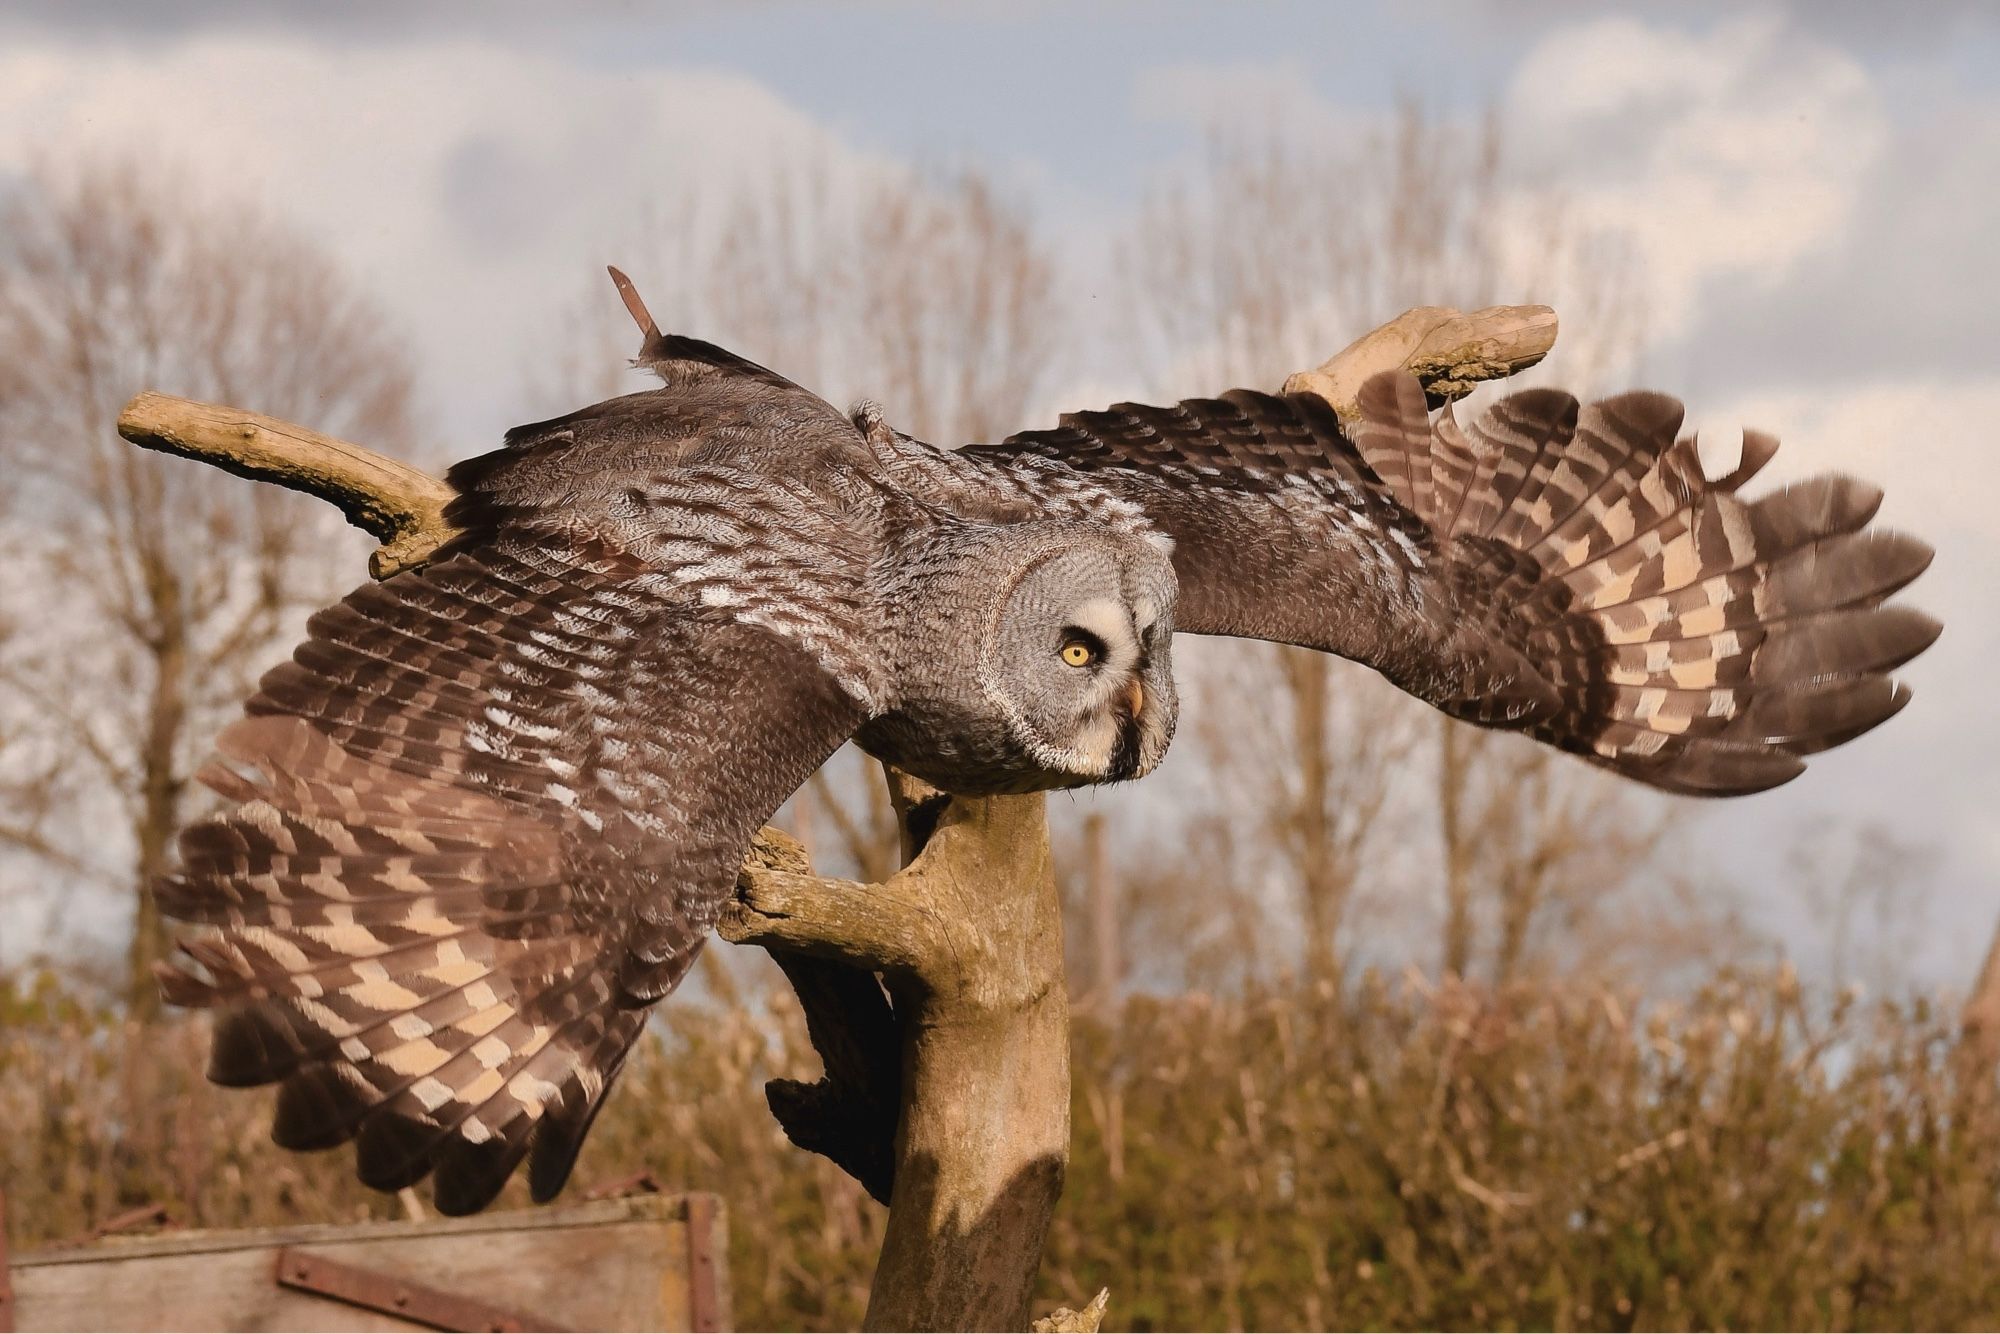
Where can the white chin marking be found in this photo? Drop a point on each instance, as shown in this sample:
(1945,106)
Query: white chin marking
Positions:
(1095,742)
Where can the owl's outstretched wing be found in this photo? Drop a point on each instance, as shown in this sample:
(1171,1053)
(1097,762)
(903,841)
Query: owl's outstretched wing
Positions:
(489,812)
(1568,572)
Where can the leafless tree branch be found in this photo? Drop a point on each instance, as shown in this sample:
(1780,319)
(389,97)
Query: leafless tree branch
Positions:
(399,506)
(175,593)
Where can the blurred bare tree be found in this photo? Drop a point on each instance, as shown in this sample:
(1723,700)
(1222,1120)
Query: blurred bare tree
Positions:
(1535,850)
(147,596)
(1864,889)
(1981,1012)
(1265,257)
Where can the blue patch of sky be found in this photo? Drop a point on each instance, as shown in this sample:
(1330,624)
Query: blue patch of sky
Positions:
(1055,87)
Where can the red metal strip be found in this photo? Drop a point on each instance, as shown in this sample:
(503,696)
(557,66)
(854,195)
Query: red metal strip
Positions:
(375,1291)
(704,1292)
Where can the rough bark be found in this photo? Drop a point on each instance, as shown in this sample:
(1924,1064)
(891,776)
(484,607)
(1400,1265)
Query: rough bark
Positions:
(1450,351)
(936,997)
(968,942)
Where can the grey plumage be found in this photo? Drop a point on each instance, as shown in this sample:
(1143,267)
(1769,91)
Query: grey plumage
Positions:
(489,811)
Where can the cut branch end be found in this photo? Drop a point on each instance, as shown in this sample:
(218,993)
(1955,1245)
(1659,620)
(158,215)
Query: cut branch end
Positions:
(1449,351)
(400,506)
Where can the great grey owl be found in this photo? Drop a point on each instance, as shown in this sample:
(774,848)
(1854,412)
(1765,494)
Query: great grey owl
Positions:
(488,812)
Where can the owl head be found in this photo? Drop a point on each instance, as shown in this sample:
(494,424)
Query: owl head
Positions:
(1031,656)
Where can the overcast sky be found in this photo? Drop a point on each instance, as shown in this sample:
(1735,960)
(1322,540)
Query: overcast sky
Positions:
(1813,194)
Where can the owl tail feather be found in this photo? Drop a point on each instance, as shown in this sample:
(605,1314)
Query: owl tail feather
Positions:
(1682,636)
(395,954)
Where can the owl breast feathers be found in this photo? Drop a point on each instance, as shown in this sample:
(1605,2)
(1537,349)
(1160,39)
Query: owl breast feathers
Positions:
(490,809)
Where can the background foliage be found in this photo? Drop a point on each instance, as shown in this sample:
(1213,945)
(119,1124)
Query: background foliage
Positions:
(1296,1157)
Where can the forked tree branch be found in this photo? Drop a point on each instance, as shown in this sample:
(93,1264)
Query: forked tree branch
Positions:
(936,998)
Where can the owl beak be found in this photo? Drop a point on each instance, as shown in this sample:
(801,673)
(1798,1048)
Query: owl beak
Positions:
(1126,754)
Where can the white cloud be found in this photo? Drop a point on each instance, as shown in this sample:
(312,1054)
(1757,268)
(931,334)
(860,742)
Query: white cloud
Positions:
(1927,777)
(473,187)
(1729,154)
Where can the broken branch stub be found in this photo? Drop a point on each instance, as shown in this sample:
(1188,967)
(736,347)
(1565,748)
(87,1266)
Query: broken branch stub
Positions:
(399,506)
(1450,351)
(947,1082)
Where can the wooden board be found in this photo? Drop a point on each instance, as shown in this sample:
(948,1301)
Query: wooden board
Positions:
(648,1262)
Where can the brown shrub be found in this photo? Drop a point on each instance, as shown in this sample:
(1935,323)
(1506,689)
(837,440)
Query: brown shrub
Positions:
(1392,1157)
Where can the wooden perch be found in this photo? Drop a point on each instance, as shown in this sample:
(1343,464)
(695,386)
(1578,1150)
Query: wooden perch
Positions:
(399,506)
(968,941)
(936,999)
(1449,351)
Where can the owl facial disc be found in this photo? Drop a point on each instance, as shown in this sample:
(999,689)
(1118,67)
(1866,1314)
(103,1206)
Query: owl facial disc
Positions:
(1077,661)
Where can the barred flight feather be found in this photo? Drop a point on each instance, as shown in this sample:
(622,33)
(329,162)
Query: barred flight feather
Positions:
(465,849)
(1563,569)
(1697,642)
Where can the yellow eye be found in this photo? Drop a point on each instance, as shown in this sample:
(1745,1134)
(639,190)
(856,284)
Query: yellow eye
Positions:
(1077,653)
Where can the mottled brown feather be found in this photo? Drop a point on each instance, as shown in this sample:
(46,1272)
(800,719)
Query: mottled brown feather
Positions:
(480,820)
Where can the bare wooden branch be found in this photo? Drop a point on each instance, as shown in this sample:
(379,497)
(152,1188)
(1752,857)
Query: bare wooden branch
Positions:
(968,939)
(983,1141)
(947,1084)
(1451,352)
(1063,1320)
(400,506)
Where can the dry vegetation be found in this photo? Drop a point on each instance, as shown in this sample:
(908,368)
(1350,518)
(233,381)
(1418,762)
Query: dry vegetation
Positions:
(1294,1157)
